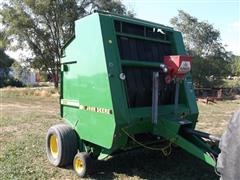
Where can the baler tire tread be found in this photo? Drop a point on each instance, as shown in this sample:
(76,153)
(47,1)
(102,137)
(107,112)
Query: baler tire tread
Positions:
(228,163)
(70,147)
(67,144)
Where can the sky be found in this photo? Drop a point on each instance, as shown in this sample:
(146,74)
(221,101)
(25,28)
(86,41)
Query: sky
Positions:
(224,15)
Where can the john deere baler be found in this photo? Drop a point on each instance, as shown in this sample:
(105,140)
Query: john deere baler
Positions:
(125,84)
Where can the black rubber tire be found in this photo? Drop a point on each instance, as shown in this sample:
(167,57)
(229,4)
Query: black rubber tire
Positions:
(87,163)
(228,163)
(67,145)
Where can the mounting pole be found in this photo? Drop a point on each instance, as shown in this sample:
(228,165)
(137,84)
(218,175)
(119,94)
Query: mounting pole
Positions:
(155,88)
(176,96)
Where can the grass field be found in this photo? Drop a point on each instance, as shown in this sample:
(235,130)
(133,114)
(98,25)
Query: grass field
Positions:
(24,121)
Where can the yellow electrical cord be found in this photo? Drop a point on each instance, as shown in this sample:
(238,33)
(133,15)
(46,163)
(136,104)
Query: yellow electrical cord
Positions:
(165,150)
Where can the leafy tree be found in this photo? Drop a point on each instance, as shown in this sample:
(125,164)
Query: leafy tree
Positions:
(236,66)
(203,42)
(44,26)
(208,72)
(112,6)
(5,63)
(5,60)
(18,70)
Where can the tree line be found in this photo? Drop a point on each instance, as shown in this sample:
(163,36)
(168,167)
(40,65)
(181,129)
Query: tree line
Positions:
(43,26)
(211,61)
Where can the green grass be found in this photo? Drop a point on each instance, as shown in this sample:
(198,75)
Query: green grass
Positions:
(25,120)
(214,117)
(20,158)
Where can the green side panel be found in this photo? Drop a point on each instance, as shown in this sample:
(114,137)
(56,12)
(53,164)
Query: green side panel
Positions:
(86,80)
(190,99)
(178,41)
(117,86)
(114,69)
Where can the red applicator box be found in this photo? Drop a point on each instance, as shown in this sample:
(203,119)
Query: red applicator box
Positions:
(178,65)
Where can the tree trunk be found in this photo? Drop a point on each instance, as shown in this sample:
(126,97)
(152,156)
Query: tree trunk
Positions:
(55,83)
(55,80)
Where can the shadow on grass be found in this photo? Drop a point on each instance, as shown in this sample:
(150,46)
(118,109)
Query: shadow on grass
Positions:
(153,165)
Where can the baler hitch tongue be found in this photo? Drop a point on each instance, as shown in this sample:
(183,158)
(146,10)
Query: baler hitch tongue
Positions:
(202,134)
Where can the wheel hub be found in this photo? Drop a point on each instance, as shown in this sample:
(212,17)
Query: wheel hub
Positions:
(54,146)
(78,165)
